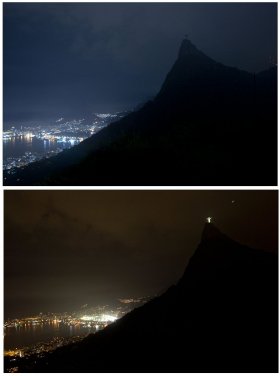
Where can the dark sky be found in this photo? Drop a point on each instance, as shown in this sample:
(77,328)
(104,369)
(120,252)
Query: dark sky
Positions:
(64,249)
(69,60)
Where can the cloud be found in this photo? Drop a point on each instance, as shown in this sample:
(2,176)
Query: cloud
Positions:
(79,58)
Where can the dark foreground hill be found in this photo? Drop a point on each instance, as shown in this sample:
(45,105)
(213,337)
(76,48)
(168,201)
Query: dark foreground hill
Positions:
(222,316)
(209,125)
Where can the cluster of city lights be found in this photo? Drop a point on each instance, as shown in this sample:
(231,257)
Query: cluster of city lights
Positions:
(54,138)
(102,318)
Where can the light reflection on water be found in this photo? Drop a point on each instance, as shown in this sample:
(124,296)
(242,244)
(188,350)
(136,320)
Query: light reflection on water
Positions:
(17,146)
(27,335)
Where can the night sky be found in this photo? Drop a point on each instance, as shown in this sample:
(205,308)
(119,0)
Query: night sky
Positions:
(64,249)
(70,60)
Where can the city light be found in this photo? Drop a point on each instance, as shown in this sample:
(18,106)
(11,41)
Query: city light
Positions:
(67,328)
(88,318)
(101,318)
(53,138)
(108,318)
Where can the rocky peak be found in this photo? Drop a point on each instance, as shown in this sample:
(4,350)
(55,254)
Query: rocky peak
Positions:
(188,48)
(211,232)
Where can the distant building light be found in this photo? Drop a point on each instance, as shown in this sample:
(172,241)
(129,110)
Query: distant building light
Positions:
(87,318)
(109,318)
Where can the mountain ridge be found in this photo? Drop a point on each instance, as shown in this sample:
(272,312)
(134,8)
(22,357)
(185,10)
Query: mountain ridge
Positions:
(204,127)
(221,316)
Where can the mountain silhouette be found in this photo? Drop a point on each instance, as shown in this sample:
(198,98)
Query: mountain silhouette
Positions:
(221,316)
(210,124)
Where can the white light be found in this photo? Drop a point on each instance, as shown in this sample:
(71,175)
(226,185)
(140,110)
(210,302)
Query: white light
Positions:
(87,318)
(209,219)
(108,318)
(104,116)
(102,318)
